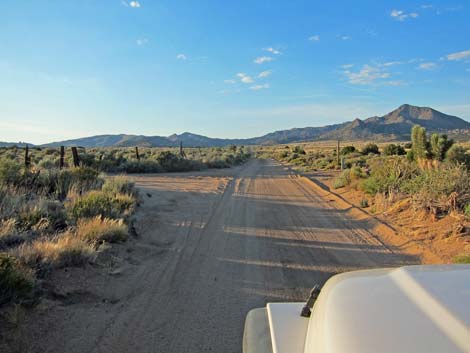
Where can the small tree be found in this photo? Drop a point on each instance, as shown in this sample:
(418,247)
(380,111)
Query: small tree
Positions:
(457,154)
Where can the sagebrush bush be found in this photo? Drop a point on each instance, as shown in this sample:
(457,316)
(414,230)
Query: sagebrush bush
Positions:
(441,189)
(16,282)
(99,203)
(118,185)
(97,229)
(342,180)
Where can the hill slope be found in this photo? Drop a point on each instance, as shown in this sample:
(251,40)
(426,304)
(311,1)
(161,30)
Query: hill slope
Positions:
(395,125)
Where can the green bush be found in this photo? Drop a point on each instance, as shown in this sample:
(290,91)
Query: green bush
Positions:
(99,203)
(462,259)
(370,148)
(364,203)
(347,150)
(387,174)
(16,283)
(118,185)
(342,180)
(10,172)
(394,150)
(458,155)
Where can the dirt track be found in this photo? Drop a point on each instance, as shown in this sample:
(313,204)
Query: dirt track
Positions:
(211,246)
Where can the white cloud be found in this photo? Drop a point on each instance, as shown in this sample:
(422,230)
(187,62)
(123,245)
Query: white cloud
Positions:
(263,59)
(265,73)
(314,38)
(401,15)
(245,78)
(141,42)
(231,81)
(273,51)
(345,37)
(347,66)
(462,55)
(366,75)
(258,87)
(391,63)
(426,6)
(134,4)
(181,57)
(427,66)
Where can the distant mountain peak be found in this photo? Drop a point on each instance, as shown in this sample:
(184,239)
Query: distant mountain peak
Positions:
(395,125)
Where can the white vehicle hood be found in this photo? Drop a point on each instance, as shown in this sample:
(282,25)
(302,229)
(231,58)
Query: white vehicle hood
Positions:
(419,309)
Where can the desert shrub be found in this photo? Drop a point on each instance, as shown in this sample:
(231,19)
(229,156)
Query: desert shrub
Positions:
(118,185)
(62,251)
(370,148)
(9,234)
(99,203)
(298,150)
(466,210)
(392,150)
(364,203)
(342,180)
(439,189)
(458,155)
(142,166)
(462,259)
(357,172)
(10,172)
(388,174)
(97,229)
(347,150)
(44,215)
(16,282)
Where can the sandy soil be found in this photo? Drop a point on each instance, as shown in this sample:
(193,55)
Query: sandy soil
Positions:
(210,247)
(434,240)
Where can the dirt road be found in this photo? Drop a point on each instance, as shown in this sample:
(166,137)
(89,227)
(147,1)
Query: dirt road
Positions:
(211,246)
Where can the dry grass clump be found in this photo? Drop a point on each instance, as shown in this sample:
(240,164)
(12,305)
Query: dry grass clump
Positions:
(61,251)
(97,229)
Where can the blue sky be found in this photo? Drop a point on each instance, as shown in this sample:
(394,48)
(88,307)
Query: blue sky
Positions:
(224,68)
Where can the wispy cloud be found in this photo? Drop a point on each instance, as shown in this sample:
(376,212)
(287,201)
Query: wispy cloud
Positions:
(245,78)
(134,4)
(264,74)
(230,81)
(427,6)
(366,75)
(314,38)
(263,59)
(142,41)
(258,87)
(391,63)
(181,57)
(347,66)
(273,51)
(428,66)
(462,55)
(401,15)
(343,37)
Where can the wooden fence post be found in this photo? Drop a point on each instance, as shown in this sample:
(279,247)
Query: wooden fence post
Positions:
(76,159)
(182,154)
(337,154)
(62,154)
(27,158)
(137,153)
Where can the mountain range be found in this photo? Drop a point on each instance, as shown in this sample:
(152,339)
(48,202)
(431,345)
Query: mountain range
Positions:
(394,126)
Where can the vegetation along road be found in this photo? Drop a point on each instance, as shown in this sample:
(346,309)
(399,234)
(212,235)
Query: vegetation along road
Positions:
(211,245)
